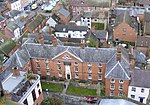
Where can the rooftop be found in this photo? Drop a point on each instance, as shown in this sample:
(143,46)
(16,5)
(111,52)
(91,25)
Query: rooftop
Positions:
(115,102)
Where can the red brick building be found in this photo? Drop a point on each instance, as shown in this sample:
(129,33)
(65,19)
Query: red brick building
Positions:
(91,64)
(126,28)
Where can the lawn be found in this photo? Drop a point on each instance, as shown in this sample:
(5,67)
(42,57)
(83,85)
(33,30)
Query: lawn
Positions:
(81,91)
(52,87)
(98,26)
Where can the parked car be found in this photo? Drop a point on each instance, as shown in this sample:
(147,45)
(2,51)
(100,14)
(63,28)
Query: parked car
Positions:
(91,99)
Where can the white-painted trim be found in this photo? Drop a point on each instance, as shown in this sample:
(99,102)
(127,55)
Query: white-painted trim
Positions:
(111,69)
(18,60)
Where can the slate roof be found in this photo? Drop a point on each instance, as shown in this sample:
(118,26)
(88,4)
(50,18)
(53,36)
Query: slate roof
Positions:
(101,34)
(1,18)
(118,69)
(32,50)
(64,12)
(20,23)
(125,17)
(11,26)
(143,41)
(14,13)
(115,102)
(140,57)
(36,22)
(144,2)
(90,3)
(69,27)
(141,78)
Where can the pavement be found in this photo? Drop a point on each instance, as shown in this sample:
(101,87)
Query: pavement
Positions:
(66,86)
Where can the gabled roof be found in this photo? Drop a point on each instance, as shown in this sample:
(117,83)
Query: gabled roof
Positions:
(125,17)
(90,3)
(32,50)
(36,22)
(118,69)
(1,18)
(141,78)
(11,26)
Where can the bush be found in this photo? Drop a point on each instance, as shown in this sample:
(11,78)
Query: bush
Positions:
(82,81)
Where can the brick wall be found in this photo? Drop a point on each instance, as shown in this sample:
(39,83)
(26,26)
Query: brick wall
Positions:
(128,35)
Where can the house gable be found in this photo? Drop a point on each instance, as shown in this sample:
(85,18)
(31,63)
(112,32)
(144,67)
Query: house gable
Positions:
(66,55)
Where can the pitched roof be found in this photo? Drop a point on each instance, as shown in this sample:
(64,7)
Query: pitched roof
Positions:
(125,17)
(143,2)
(36,22)
(14,13)
(118,69)
(143,41)
(31,50)
(64,12)
(11,26)
(115,102)
(90,3)
(69,27)
(146,28)
(140,78)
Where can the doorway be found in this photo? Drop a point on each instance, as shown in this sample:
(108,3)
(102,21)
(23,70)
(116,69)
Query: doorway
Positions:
(141,99)
(68,76)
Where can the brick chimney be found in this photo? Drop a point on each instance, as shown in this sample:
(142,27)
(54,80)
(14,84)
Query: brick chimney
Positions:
(97,44)
(118,55)
(15,71)
(7,95)
(82,44)
(41,38)
(54,41)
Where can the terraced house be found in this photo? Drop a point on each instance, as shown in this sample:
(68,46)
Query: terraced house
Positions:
(108,65)
(38,23)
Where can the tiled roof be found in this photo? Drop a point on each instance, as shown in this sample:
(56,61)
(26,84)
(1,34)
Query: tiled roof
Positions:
(140,78)
(146,17)
(143,2)
(11,26)
(1,18)
(36,22)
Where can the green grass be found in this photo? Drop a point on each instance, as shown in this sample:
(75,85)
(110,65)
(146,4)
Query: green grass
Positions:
(81,91)
(52,87)
(98,26)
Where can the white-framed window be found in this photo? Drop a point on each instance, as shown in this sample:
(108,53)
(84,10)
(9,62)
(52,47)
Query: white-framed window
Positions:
(112,81)
(99,77)
(134,89)
(111,93)
(121,87)
(36,60)
(89,76)
(99,65)
(89,69)
(76,64)
(142,90)
(121,81)
(76,69)
(112,87)
(99,71)
(47,65)
(120,94)
(76,76)
(37,64)
(38,71)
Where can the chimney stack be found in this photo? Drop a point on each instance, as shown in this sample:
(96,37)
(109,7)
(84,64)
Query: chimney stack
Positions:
(97,44)
(118,53)
(41,38)
(15,71)
(54,41)
(82,44)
